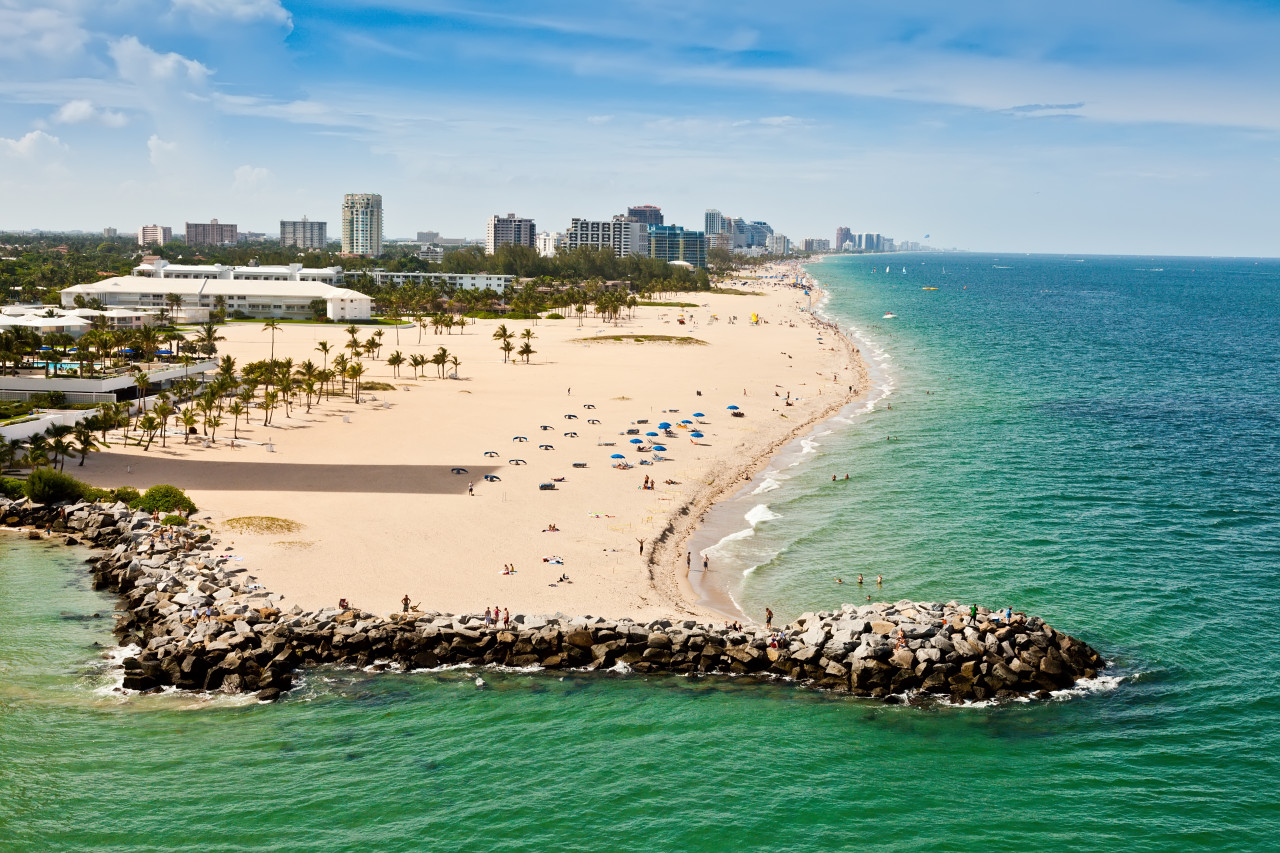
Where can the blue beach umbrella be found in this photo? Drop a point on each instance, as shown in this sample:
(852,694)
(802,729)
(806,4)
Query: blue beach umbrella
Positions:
(637,441)
(686,422)
(695,435)
(617,456)
(699,415)
(664,425)
(46,349)
(658,447)
(651,434)
(164,352)
(732,408)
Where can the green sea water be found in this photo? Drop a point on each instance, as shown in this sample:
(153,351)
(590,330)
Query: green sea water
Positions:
(1094,441)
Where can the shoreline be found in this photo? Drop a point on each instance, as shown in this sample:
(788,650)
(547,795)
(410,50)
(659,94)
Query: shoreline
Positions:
(719,599)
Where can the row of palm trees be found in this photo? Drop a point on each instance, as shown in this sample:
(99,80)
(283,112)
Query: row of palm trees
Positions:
(104,345)
(504,336)
(51,448)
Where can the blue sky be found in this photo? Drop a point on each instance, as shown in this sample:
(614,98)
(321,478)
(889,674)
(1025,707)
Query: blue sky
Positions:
(1147,126)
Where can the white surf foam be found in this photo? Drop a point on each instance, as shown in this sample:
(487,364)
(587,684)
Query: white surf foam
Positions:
(759,513)
(768,485)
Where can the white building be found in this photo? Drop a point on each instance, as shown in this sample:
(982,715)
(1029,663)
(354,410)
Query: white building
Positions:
(777,244)
(509,230)
(362,224)
(548,243)
(455,281)
(432,254)
(625,237)
(255,298)
(149,234)
(160,268)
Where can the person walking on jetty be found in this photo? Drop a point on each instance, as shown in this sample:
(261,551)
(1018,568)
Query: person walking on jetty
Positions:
(768,618)
(506,618)
(488,618)
(404,603)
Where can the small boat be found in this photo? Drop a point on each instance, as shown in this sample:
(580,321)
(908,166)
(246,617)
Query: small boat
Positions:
(928,288)
(886,269)
(904,270)
(889,315)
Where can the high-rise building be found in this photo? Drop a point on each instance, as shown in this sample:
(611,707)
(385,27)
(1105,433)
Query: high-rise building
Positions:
(149,234)
(212,233)
(509,230)
(548,242)
(755,233)
(813,244)
(303,233)
(843,235)
(109,232)
(362,224)
(673,243)
(777,244)
(622,235)
(646,213)
(872,243)
(713,222)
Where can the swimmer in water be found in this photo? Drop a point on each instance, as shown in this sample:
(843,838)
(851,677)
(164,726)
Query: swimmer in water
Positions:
(838,580)
(879,580)
(859,580)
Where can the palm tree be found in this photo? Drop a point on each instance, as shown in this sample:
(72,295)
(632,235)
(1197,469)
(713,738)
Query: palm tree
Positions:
(417,361)
(273,325)
(506,348)
(502,334)
(213,422)
(237,410)
(142,382)
(393,316)
(150,426)
(461,322)
(421,321)
(9,452)
(188,418)
(354,372)
(394,361)
(453,360)
(85,442)
(526,350)
(58,444)
(173,301)
(206,340)
(163,410)
(324,347)
(268,405)
(580,309)
(440,359)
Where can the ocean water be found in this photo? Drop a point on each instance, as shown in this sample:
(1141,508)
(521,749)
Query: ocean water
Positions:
(1090,439)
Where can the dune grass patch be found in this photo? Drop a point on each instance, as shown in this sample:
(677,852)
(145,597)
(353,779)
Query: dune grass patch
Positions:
(263,524)
(680,340)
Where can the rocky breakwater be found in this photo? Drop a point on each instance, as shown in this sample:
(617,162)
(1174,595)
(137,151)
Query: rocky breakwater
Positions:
(200,623)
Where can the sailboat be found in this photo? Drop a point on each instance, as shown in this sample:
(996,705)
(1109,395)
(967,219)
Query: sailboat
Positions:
(904,270)
(886,269)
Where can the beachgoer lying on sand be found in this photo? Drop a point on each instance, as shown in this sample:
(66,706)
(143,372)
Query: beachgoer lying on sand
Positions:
(672,482)
(551,528)
(553,560)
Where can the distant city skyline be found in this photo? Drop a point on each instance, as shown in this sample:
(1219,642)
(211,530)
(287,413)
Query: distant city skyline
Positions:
(1146,128)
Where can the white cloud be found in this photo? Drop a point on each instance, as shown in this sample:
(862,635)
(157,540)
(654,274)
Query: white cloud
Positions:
(82,110)
(160,151)
(31,146)
(140,64)
(38,32)
(250,178)
(238,10)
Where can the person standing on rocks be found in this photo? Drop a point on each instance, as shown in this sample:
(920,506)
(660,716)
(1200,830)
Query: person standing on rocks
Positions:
(768,618)
(404,603)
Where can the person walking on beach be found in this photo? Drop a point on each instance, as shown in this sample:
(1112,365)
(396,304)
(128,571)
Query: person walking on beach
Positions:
(404,603)
(641,541)
(471,488)
(688,560)
(704,564)
(768,618)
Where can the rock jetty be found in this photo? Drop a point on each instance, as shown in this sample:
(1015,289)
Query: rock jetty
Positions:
(201,623)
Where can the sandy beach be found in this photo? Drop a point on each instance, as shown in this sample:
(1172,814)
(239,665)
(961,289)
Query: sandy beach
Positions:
(382,512)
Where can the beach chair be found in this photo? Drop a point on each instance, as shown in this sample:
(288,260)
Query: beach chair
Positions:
(546,487)
(587,406)
(593,421)
(459,470)
(546,447)
(491,453)
(579,465)
(516,462)
(519,438)
(544,426)
(492,478)
(570,435)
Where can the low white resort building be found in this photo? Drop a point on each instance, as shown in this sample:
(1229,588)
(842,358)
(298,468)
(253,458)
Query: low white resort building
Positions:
(252,297)
(457,281)
(161,268)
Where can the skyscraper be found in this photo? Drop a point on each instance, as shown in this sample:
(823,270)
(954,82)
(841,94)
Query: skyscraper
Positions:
(713,222)
(303,233)
(646,213)
(673,243)
(620,234)
(509,230)
(362,224)
(149,234)
(843,235)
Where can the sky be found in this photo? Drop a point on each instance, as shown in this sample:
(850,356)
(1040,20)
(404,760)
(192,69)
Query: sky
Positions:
(1143,127)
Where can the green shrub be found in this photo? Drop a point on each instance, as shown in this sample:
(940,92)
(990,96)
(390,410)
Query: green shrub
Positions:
(126,494)
(11,488)
(483,315)
(163,498)
(175,520)
(519,315)
(554,316)
(92,493)
(47,486)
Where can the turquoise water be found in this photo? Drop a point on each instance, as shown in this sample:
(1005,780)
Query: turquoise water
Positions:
(1092,441)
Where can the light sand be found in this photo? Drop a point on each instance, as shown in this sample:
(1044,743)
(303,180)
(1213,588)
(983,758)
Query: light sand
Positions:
(383,515)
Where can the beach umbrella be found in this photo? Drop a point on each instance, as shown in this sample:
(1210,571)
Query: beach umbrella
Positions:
(699,415)
(686,421)
(637,441)
(732,408)
(658,447)
(651,434)
(664,425)
(695,435)
(45,349)
(126,349)
(164,352)
(617,456)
